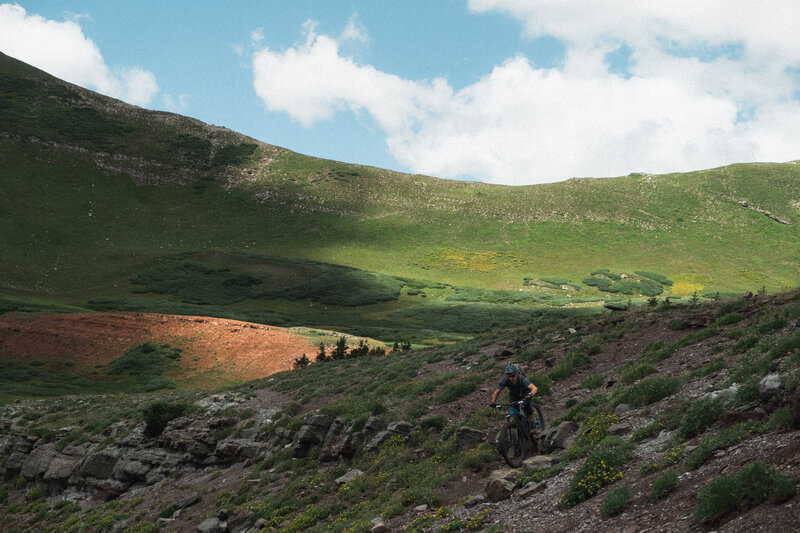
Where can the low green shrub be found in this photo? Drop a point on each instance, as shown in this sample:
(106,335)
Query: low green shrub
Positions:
(700,415)
(664,485)
(158,414)
(730,318)
(593,431)
(649,391)
(542,382)
(726,438)
(636,372)
(780,419)
(751,486)
(771,325)
(595,381)
(459,389)
(602,467)
(616,502)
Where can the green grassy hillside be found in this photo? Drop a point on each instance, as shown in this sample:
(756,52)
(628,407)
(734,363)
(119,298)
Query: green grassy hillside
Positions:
(94,194)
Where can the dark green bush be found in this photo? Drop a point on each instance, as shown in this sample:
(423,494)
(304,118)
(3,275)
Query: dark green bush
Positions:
(751,486)
(730,318)
(158,414)
(459,389)
(661,280)
(700,415)
(616,502)
(542,382)
(649,391)
(664,485)
(595,381)
(636,372)
(197,282)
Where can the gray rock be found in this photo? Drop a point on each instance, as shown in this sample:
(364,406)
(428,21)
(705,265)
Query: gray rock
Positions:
(240,449)
(38,461)
(770,386)
(723,394)
(623,409)
(188,501)
(619,429)
(335,442)
(537,462)
(480,499)
(378,440)
(348,476)
(467,437)
(380,527)
(62,467)
(499,487)
(531,488)
(400,428)
(560,436)
(100,465)
(315,428)
(131,470)
(211,525)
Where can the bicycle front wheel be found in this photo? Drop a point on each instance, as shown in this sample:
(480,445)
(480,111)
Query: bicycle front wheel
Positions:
(513,446)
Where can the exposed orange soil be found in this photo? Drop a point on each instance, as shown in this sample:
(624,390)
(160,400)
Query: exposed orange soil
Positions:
(215,350)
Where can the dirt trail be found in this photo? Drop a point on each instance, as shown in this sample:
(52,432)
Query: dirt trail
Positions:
(215,350)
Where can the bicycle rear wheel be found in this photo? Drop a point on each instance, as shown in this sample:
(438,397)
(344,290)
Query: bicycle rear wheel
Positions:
(513,445)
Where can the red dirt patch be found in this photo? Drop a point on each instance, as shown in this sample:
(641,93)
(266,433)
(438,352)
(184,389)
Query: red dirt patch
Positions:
(215,350)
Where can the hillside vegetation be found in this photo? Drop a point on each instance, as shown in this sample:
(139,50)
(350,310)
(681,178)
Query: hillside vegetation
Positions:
(103,204)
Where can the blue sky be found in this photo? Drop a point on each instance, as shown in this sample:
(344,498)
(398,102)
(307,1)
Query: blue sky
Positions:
(503,91)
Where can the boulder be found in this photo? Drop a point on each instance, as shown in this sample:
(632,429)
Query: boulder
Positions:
(560,436)
(62,467)
(500,485)
(339,442)
(476,500)
(348,476)
(537,462)
(38,461)
(623,409)
(212,525)
(467,437)
(400,428)
(770,386)
(531,488)
(619,429)
(239,449)
(100,465)
(313,431)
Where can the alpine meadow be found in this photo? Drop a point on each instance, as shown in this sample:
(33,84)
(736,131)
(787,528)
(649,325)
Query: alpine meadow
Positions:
(200,330)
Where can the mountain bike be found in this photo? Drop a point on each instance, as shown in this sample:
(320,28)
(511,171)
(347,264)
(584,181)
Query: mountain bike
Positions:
(519,433)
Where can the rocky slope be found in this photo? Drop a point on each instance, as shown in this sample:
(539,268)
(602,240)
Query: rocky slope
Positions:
(223,464)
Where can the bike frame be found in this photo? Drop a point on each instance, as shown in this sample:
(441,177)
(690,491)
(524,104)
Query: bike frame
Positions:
(515,412)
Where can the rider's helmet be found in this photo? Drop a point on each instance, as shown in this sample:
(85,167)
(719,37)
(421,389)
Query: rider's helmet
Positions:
(511,369)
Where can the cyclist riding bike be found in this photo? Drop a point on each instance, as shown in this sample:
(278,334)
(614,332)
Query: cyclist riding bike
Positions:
(519,388)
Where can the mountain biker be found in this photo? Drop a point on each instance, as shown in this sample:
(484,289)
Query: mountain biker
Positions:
(519,388)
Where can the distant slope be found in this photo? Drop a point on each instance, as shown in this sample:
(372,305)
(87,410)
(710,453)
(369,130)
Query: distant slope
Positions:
(88,180)
(215,351)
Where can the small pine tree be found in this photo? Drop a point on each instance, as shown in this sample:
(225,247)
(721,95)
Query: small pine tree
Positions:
(321,355)
(301,362)
(340,351)
(396,347)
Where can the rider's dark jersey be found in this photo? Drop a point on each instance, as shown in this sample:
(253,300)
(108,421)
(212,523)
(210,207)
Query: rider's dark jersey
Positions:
(516,391)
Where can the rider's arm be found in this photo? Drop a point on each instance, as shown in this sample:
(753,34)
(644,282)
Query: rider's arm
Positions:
(533,389)
(495,394)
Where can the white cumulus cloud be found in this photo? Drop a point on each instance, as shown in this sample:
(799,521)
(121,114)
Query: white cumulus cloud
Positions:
(62,49)
(706,83)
